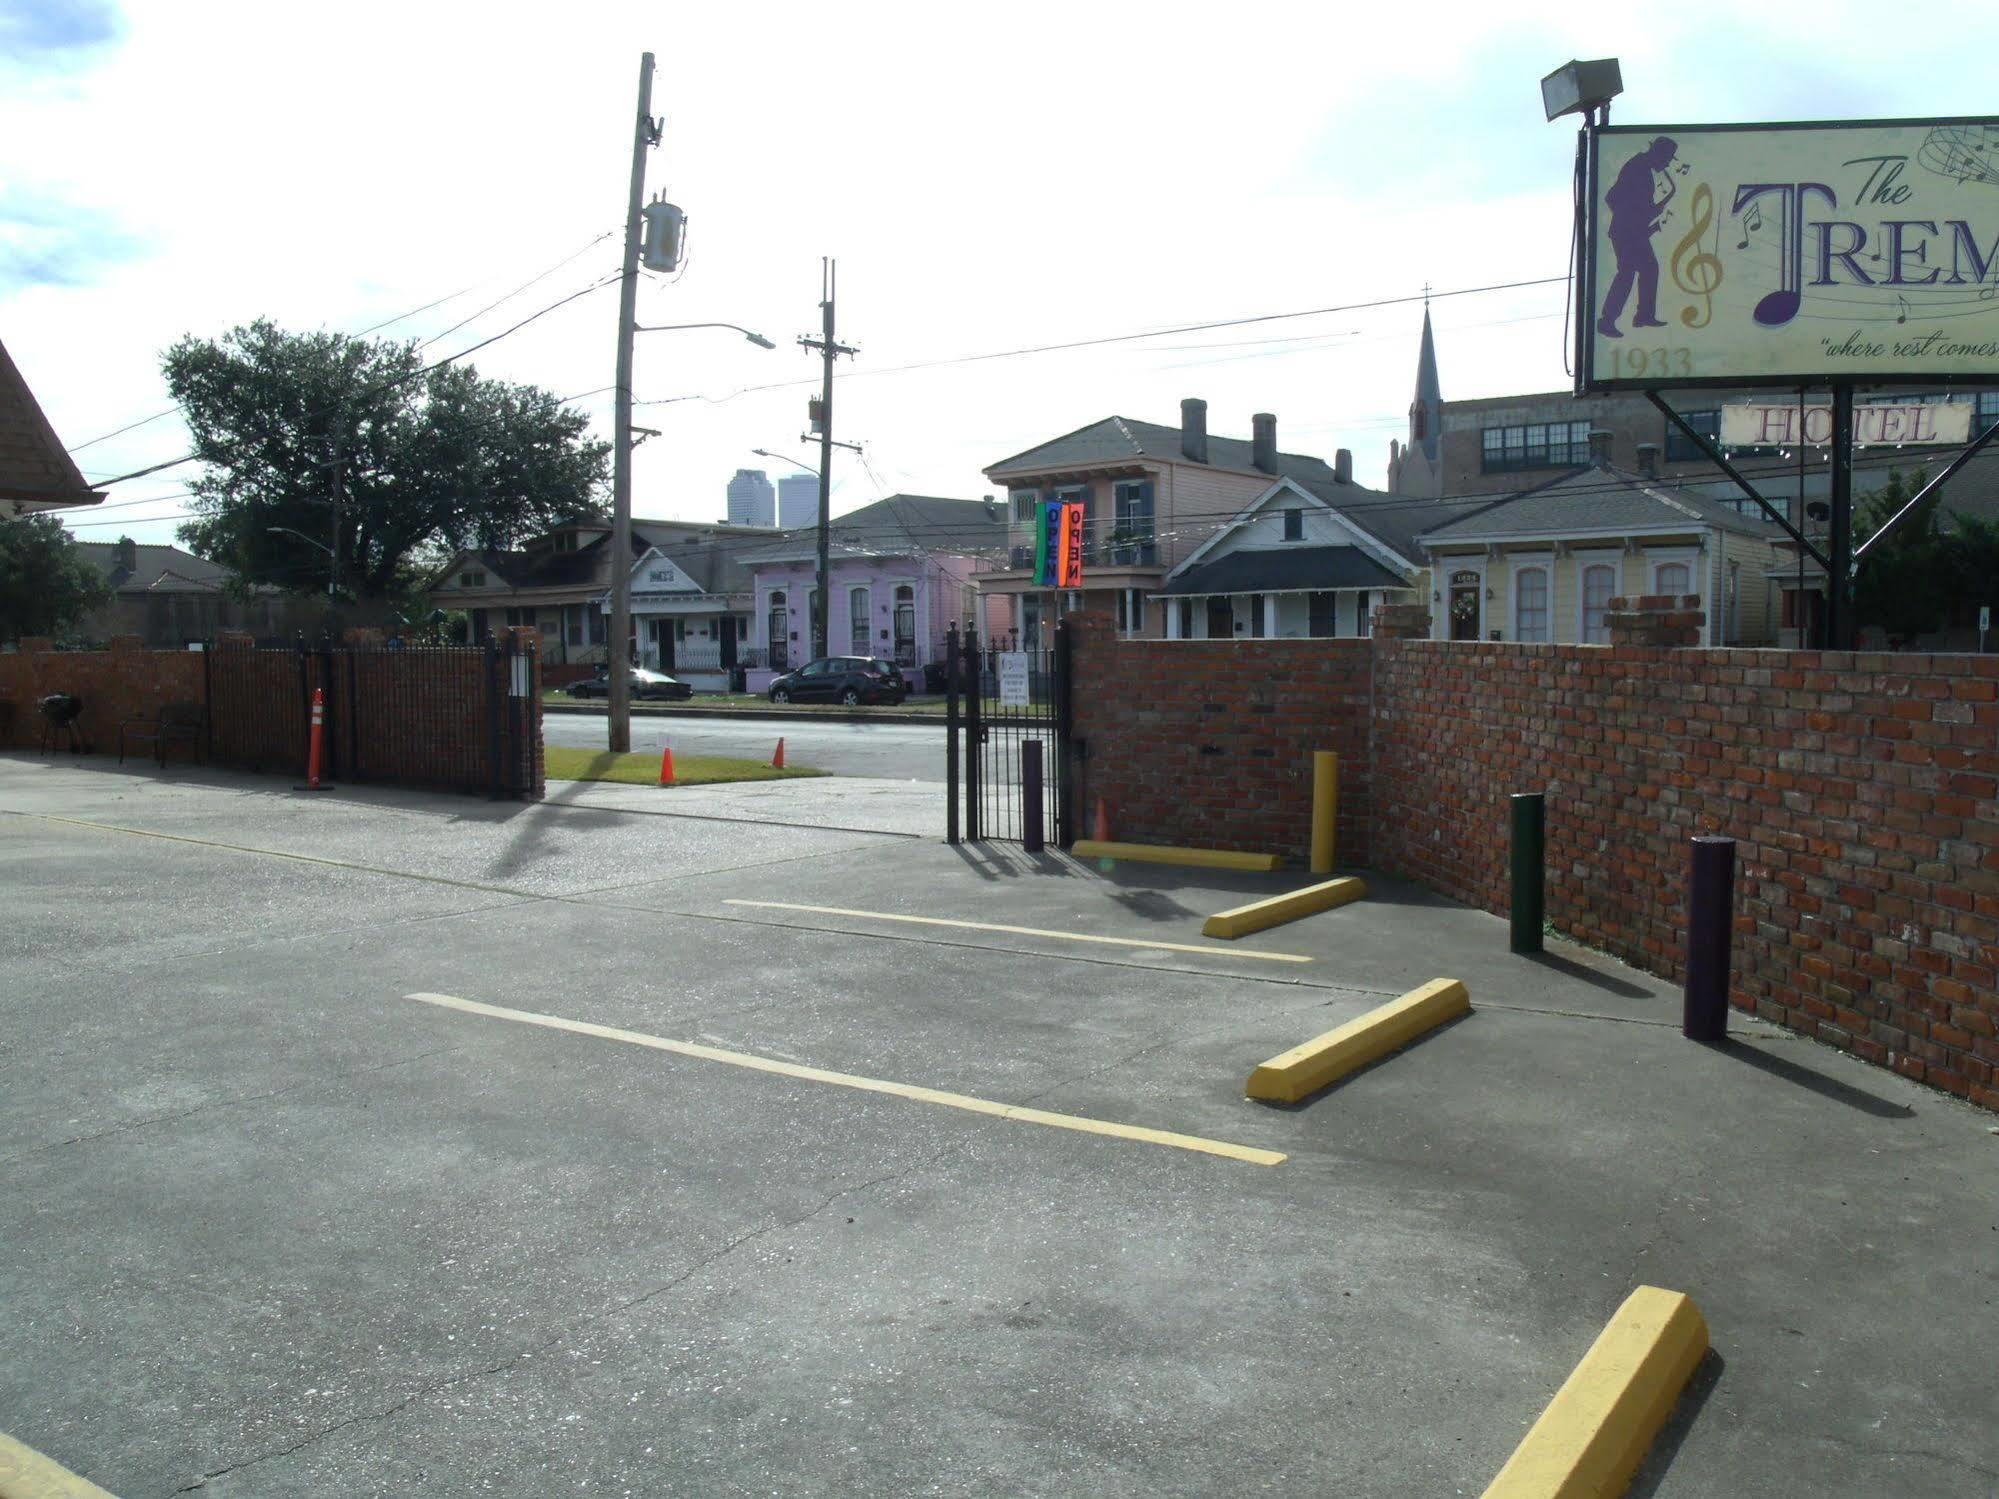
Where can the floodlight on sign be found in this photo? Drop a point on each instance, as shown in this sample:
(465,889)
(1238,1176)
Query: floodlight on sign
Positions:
(1579,87)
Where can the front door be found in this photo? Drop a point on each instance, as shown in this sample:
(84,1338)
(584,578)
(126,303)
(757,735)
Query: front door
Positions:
(1221,617)
(728,642)
(1467,602)
(662,643)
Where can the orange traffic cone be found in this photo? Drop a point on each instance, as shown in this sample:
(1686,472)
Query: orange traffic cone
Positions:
(777,760)
(666,765)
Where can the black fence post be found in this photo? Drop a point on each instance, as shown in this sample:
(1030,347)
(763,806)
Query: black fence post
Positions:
(1529,875)
(1030,796)
(1710,930)
(951,684)
(1065,730)
(974,735)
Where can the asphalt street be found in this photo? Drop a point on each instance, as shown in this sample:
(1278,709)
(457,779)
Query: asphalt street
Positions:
(888,751)
(385,1143)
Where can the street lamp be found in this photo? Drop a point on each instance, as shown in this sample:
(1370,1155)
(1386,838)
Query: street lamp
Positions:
(309,541)
(783,458)
(756,338)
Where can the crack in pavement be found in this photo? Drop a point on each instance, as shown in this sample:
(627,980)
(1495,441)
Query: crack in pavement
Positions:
(425,1391)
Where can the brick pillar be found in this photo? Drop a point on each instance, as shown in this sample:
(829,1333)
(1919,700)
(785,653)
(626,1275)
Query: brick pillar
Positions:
(1401,622)
(1655,619)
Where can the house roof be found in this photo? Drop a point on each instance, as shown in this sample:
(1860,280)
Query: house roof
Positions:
(1124,439)
(710,554)
(1284,570)
(1595,501)
(901,525)
(154,569)
(35,471)
(1394,520)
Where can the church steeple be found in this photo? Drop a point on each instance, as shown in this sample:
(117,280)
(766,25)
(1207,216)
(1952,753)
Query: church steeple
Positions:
(1426,412)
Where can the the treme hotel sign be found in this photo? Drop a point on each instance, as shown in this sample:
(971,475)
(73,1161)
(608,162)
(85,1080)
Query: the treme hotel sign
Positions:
(1791,254)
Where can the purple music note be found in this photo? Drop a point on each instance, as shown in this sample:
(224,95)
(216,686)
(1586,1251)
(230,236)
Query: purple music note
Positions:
(1781,305)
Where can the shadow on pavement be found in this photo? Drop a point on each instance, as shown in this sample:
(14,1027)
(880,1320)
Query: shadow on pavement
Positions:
(1810,1081)
(1659,1457)
(1583,974)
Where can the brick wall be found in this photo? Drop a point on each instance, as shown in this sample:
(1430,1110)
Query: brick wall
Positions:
(1862,790)
(1210,742)
(419,716)
(116,684)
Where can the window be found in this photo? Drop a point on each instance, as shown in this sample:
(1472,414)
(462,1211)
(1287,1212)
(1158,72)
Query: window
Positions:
(1673,578)
(1506,450)
(1530,604)
(1599,586)
(1023,505)
(1131,612)
(1321,615)
(859,620)
(1988,410)
(1363,619)
(1679,449)
(1294,525)
(472,577)
(1131,525)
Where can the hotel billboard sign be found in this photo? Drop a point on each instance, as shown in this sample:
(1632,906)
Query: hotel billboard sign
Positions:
(1798,254)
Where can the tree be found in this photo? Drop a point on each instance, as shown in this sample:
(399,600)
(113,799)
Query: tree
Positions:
(293,427)
(1902,586)
(46,586)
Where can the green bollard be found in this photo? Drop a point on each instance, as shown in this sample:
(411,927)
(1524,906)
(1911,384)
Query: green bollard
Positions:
(1528,875)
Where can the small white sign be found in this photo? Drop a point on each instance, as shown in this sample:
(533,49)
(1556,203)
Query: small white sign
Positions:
(1013,679)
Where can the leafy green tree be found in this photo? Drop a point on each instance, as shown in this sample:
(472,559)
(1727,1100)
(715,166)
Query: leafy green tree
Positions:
(294,427)
(1901,588)
(46,586)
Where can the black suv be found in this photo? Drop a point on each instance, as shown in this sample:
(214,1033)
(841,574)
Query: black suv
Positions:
(841,679)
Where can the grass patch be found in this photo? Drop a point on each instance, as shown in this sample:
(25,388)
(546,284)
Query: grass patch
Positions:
(568,762)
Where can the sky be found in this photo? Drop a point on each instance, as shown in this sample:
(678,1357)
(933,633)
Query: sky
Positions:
(990,179)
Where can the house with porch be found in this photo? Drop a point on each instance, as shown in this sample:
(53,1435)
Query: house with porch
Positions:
(1543,565)
(691,613)
(1198,537)
(558,581)
(900,573)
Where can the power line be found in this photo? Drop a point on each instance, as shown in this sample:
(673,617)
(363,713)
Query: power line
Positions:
(1122,338)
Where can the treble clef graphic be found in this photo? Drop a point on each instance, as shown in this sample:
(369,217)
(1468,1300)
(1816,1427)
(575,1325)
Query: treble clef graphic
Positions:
(1697,271)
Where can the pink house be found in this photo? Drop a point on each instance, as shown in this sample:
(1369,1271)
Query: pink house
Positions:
(899,572)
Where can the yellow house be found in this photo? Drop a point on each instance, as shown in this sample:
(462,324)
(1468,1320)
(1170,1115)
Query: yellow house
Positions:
(1544,564)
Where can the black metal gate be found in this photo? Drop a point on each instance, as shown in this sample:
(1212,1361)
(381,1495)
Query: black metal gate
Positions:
(1006,748)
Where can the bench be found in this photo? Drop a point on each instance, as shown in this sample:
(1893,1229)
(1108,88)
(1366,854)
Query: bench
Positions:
(186,722)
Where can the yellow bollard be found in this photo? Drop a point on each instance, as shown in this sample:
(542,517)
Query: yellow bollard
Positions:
(1325,808)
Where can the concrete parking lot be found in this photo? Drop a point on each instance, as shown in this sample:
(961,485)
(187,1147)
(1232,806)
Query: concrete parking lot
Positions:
(271,1226)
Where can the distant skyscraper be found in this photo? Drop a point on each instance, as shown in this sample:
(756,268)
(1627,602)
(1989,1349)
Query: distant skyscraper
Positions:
(750,500)
(798,501)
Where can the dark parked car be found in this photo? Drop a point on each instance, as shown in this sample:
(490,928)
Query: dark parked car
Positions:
(654,684)
(841,679)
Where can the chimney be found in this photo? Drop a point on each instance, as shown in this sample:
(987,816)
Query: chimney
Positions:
(1194,429)
(1263,442)
(1648,459)
(1343,465)
(1599,444)
(128,554)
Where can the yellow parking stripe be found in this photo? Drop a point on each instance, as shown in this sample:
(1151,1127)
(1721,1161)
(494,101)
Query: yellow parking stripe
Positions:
(1222,1148)
(1027,931)
(26,1474)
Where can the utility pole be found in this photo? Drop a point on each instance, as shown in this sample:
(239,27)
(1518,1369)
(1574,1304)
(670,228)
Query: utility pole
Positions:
(339,502)
(645,134)
(829,350)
